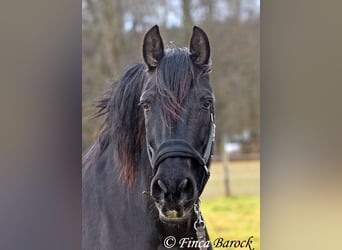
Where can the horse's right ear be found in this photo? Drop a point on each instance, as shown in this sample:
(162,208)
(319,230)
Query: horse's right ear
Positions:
(153,47)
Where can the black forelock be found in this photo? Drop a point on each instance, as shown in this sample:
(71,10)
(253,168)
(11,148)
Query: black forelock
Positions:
(175,76)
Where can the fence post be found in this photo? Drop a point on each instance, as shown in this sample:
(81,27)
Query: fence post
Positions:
(226,166)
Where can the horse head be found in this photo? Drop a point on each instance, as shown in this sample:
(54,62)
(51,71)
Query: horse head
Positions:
(178,106)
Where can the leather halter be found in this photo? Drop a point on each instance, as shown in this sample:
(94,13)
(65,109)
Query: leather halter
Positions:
(180,148)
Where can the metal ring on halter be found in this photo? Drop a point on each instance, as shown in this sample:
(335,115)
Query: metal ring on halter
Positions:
(199,224)
(199,221)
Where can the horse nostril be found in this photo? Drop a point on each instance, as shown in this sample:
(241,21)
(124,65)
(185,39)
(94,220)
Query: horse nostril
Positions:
(158,190)
(183,185)
(162,186)
(186,190)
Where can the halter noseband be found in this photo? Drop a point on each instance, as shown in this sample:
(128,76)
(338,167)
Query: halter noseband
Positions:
(180,148)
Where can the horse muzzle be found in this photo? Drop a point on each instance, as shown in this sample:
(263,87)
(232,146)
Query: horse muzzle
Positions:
(174,189)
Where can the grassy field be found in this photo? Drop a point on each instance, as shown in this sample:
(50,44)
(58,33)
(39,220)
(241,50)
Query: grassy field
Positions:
(236,217)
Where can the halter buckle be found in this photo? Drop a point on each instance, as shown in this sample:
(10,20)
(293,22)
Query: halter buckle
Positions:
(199,223)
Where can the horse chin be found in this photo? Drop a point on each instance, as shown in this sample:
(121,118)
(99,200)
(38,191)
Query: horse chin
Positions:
(172,217)
(173,220)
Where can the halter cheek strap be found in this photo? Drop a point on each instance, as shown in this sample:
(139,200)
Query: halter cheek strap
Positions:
(180,148)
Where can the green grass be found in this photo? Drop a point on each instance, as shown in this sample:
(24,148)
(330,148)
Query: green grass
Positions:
(236,217)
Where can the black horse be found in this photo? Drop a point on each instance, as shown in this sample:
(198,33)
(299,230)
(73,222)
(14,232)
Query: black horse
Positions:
(143,177)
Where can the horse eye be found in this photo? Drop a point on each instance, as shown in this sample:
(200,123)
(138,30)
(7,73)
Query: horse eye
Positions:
(207,104)
(146,107)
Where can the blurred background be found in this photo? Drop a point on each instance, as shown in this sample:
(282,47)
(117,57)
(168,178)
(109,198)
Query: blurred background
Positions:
(112,32)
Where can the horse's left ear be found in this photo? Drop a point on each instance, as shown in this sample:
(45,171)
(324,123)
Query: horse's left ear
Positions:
(153,47)
(199,46)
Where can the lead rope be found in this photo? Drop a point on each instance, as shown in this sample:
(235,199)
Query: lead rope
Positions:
(199,225)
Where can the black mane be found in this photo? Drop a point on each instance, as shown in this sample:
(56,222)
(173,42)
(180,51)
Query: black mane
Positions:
(123,126)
